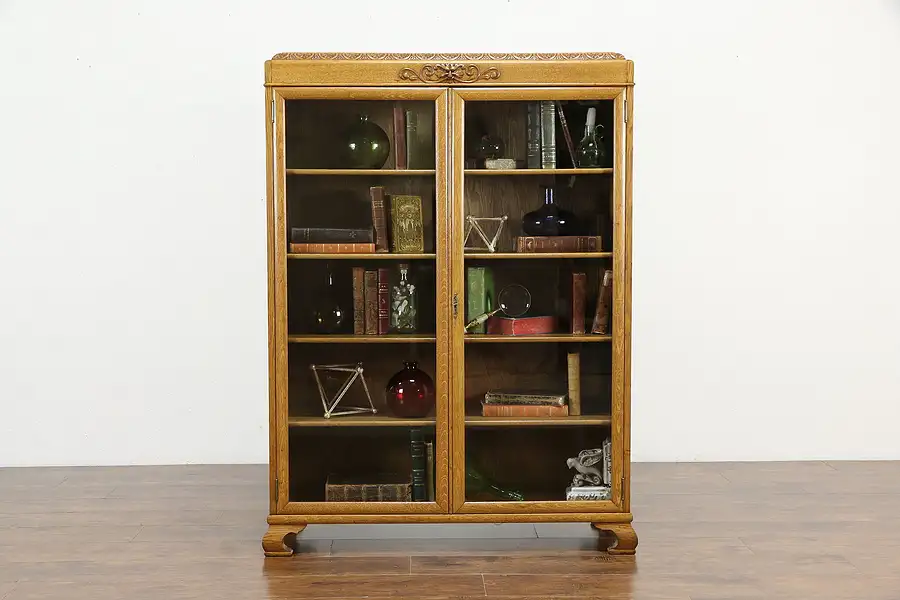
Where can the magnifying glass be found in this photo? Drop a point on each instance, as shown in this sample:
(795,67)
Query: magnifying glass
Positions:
(513,301)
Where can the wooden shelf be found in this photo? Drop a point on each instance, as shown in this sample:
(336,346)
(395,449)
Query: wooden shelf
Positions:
(397,338)
(366,172)
(360,421)
(547,337)
(365,256)
(585,171)
(536,255)
(538,421)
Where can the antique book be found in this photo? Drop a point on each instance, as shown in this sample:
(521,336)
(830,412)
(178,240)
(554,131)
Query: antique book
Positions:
(594,492)
(379,219)
(370,296)
(384,301)
(420,139)
(384,487)
(558,243)
(399,138)
(333,248)
(412,142)
(523,410)
(570,145)
(417,454)
(573,380)
(533,135)
(548,134)
(479,294)
(429,470)
(607,461)
(359,300)
(521,326)
(407,229)
(306,235)
(524,397)
(579,287)
(604,302)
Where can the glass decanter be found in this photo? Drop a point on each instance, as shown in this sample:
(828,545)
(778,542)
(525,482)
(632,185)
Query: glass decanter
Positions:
(549,219)
(327,316)
(404,303)
(591,151)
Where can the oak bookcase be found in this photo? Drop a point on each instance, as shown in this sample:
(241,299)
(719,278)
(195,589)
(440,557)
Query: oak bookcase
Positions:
(309,98)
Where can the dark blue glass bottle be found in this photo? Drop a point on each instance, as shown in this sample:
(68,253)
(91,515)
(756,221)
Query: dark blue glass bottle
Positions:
(549,219)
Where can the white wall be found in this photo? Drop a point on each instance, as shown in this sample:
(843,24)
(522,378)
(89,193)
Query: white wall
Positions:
(132,263)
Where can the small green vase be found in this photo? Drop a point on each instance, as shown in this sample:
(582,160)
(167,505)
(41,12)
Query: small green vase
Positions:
(366,145)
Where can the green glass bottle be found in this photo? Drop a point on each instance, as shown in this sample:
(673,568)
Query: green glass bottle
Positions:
(366,145)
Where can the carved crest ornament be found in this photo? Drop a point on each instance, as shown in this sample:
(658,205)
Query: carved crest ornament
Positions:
(449,73)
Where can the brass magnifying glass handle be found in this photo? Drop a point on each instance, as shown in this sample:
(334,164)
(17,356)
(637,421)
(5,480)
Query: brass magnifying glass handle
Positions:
(481,318)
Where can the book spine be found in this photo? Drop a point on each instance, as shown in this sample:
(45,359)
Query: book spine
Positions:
(604,301)
(573,379)
(475,296)
(417,453)
(513,398)
(407,232)
(607,461)
(429,470)
(560,243)
(370,294)
(359,301)
(399,138)
(579,285)
(412,136)
(548,134)
(306,235)
(523,410)
(521,326)
(379,219)
(332,248)
(570,145)
(384,301)
(533,136)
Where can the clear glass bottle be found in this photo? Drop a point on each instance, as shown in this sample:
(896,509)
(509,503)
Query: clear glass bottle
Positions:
(404,303)
(591,152)
(327,316)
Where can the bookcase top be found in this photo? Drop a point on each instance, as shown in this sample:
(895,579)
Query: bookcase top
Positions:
(476,56)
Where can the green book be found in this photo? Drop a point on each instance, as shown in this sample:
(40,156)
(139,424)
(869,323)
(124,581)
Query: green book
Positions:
(479,294)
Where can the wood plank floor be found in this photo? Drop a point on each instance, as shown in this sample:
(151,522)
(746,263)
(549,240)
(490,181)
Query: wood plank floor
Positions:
(736,531)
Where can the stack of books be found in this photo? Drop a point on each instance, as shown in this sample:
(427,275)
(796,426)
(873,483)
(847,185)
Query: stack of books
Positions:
(330,240)
(524,404)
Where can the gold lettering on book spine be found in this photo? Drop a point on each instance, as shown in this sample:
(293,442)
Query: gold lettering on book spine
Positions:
(449,73)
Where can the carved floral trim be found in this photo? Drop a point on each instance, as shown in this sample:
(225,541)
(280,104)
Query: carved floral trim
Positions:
(449,73)
(447,57)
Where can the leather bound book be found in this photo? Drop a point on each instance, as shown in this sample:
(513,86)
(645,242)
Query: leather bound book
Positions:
(548,134)
(579,284)
(359,301)
(370,296)
(418,456)
(429,470)
(558,243)
(524,397)
(533,135)
(479,294)
(388,487)
(407,229)
(573,381)
(384,301)
(379,219)
(604,302)
(332,248)
(400,158)
(307,235)
(521,326)
(523,410)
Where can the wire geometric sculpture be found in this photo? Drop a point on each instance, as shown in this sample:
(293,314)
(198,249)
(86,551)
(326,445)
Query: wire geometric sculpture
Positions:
(473,224)
(330,405)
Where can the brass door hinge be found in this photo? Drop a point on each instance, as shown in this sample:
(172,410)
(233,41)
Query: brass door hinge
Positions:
(455,305)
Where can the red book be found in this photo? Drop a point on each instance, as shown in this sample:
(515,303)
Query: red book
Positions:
(558,243)
(521,326)
(399,138)
(384,301)
(523,410)
(332,248)
(359,301)
(579,283)
(370,297)
(379,219)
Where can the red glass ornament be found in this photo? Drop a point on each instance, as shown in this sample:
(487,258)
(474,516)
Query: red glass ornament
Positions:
(410,392)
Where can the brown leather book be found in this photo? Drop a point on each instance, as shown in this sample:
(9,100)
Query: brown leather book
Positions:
(399,138)
(604,302)
(359,301)
(573,381)
(523,410)
(379,219)
(558,243)
(384,301)
(370,296)
(579,284)
(333,248)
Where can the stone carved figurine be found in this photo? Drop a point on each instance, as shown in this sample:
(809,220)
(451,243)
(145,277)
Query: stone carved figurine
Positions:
(588,474)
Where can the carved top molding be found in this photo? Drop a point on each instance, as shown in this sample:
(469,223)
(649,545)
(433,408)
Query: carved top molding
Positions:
(447,57)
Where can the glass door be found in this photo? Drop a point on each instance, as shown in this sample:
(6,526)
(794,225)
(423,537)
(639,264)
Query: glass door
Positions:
(538,242)
(361,323)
